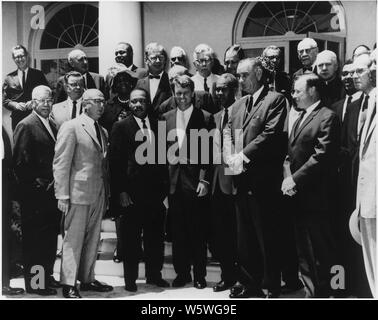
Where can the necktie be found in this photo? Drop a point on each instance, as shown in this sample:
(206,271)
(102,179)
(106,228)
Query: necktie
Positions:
(23,79)
(205,87)
(182,127)
(349,100)
(98,134)
(145,129)
(73,116)
(249,108)
(225,118)
(363,116)
(296,126)
(151,76)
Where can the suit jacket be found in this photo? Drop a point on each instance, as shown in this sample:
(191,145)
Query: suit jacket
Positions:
(113,109)
(163,92)
(188,175)
(142,182)
(366,201)
(301,72)
(94,81)
(14,93)
(60,113)
(33,151)
(282,82)
(225,182)
(261,139)
(201,100)
(80,164)
(332,91)
(313,154)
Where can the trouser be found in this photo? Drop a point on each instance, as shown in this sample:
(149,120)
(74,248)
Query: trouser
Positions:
(147,217)
(369,248)
(81,241)
(188,233)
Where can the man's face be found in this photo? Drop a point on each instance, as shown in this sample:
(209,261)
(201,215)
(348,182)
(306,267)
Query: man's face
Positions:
(43,103)
(177,58)
(223,93)
(361,75)
(346,78)
(373,67)
(156,61)
(183,97)
(203,64)
(20,59)
(75,87)
(301,95)
(326,67)
(138,104)
(247,78)
(274,58)
(80,62)
(307,53)
(231,61)
(123,54)
(95,108)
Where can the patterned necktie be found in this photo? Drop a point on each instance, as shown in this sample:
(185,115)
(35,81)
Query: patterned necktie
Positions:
(73,115)
(98,134)
(205,87)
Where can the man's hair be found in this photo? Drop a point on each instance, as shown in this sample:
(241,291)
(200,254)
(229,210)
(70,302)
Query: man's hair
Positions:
(145,92)
(230,79)
(256,63)
(327,52)
(236,49)
(178,49)
(359,46)
(275,48)
(72,55)
(19,47)
(184,81)
(205,49)
(37,89)
(313,80)
(72,74)
(154,46)
(128,45)
(311,41)
(176,71)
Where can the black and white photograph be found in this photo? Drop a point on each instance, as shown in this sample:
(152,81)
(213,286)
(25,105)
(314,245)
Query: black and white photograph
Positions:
(177,150)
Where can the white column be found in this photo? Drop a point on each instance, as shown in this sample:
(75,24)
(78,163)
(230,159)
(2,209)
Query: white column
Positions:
(119,21)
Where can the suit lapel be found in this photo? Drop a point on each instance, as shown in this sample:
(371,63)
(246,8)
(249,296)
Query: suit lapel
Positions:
(306,122)
(256,105)
(44,129)
(90,82)
(161,87)
(89,131)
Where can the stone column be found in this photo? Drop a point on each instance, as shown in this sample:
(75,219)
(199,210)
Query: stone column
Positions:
(119,21)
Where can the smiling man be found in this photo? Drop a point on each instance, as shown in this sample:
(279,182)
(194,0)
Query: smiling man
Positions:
(307,51)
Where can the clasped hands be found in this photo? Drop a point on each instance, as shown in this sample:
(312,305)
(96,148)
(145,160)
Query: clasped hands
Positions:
(288,186)
(235,162)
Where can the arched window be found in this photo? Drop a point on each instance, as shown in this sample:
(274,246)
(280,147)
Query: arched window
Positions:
(284,24)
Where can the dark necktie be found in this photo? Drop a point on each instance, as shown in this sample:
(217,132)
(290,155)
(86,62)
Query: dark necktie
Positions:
(151,76)
(225,118)
(249,108)
(307,69)
(296,126)
(23,79)
(145,129)
(73,116)
(363,115)
(205,87)
(98,134)
(349,100)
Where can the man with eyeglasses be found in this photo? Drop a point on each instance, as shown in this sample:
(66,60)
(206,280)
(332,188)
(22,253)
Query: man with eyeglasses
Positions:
(78,61)
(157,82)
(307,51)
(81,187)
(72,106)
(18,85)
(203,60)
(140,189)
(34,139)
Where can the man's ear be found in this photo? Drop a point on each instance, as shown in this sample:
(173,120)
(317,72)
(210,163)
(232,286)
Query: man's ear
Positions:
(259,73)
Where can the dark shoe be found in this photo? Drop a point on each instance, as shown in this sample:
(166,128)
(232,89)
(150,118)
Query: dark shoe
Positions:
(236,288)
(247,292)
(181,281)
(52,283)
(95,286)
(132,287)
(43,292)
(9,291)
(160,282)
(70,292)
(292,287)
(116,257)
(222,286)
(200,284)
(271,294)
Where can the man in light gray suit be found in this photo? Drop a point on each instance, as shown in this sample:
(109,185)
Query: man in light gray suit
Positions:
(72,106)
(81,187)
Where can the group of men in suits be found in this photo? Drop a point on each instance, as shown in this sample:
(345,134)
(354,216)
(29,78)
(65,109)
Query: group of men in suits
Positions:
(273,192)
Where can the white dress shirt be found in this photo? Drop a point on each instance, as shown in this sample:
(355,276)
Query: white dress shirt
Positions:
(308,112)
(293,116)
(154,85)
(199,82)
(140,124)
(182,119)
(355,97)
(78,105)
(91,125)
(19,73)
(369,111)
(46,124)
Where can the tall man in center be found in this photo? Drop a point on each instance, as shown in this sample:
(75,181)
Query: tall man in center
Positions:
(256,129)
(189,184)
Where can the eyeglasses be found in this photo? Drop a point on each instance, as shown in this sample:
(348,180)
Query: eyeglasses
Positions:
(177,59)
(360,71)
(347,73)
(21,56)
(48,101)
(155,58)
(121,52)
(98,101)
(202,61)
(75,84)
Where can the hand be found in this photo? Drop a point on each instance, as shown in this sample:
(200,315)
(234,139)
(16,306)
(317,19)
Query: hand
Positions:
(64,205)
(202,189)
(125,200)
(288,186)
(235,162)
(21,106)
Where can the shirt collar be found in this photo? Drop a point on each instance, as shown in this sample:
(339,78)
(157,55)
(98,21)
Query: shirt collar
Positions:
(78,100)
(87,118)
(139,120)
(312,107)
(187,111)
(42,119)
(26,70)
(256,95)
(160,74)
(209,77)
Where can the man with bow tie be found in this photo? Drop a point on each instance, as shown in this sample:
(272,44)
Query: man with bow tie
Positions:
(157,82)
(34,139)
(307,51)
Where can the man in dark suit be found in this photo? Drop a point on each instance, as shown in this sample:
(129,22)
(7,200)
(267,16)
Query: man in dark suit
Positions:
(189,182)
(256,131)
(79,62)
(157,82)
(223,218)
(34,139)
(18,85)
(141,189)
(307,51)
(312,154)
(232,56)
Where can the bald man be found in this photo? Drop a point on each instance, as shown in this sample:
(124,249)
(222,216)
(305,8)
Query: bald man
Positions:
(34,139)
(78,61)
(307,51)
